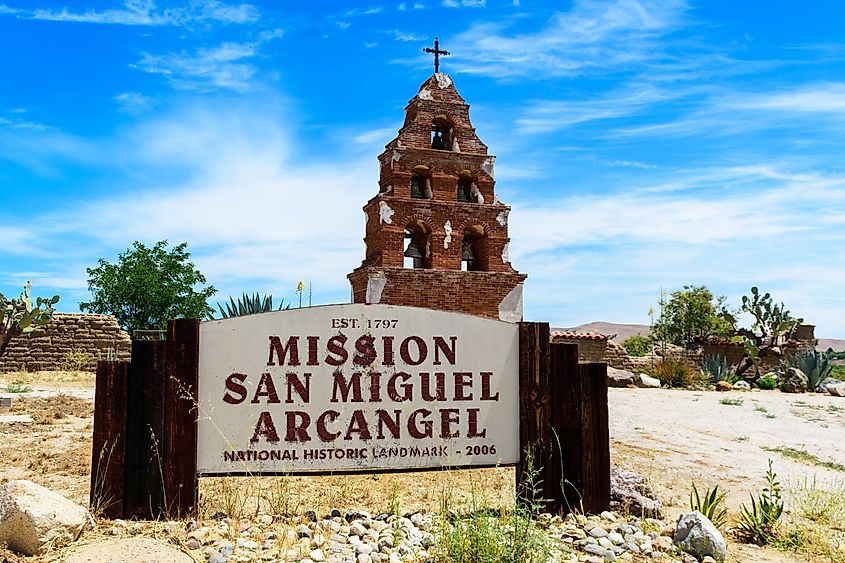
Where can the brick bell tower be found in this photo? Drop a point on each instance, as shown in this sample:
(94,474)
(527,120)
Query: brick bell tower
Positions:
(436,234)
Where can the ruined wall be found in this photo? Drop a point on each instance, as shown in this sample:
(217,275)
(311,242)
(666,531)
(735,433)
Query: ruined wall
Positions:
(71,336)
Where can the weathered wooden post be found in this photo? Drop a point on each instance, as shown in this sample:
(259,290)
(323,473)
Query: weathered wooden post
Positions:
(109,440)
(145,430)
(180,423)
(563,425)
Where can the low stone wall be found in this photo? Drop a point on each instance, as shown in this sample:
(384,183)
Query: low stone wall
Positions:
(72,340)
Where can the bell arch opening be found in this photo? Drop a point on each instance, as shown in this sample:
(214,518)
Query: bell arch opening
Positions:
(417,253)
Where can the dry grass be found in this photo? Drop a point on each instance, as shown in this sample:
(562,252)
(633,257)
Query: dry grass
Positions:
(243,497)
(52,378)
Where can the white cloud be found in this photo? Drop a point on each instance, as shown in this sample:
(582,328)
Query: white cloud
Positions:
(826,97)
(542,116)
(220,67)
(146,13)
(250,212)
(133,102)
(404,36)
(4,9)
(603,35)
(464,3)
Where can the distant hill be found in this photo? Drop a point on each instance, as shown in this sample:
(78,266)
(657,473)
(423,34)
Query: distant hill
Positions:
(623,331)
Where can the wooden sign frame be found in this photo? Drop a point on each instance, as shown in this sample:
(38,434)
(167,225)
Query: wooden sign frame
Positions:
(145,426)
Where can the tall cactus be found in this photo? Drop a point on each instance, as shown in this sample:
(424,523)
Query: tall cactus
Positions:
(20,316)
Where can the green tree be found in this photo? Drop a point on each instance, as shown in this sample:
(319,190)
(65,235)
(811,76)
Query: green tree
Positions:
(148,286)
(690,313)
(21,316)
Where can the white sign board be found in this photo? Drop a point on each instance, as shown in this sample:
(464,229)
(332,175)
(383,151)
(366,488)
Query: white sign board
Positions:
(356,387)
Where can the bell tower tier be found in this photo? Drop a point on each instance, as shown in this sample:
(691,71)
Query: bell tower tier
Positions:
(436,234)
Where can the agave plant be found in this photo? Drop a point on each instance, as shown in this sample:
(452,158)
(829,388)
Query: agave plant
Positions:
(708,504)
(758,523)
(716,367)
(249,305)
(815,365)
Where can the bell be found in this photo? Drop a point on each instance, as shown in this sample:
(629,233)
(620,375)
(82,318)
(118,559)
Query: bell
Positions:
(466,252)
(412,251)
(415,188)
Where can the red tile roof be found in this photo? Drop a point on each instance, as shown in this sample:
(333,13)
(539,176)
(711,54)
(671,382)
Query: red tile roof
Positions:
(572,335)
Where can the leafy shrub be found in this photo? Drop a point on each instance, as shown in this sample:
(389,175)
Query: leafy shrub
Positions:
(767,382)
(815,366)
(674,373)
(638,345)
(709,505)
(759,522)
(716,368)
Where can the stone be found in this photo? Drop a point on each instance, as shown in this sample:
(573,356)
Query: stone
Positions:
(619,377)
(32,516)
(794,381)
(742,385)
(708,559)
(629,492)
(697,535)
(837,389)
(723,386)
(647,382)
(215,557)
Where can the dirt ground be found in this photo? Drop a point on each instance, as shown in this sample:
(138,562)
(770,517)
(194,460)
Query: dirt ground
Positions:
(674,438)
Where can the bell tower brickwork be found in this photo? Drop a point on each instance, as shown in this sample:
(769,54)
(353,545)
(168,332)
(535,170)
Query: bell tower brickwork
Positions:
(439,205)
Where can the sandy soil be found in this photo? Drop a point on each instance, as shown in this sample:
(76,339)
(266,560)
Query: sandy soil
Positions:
(674,438)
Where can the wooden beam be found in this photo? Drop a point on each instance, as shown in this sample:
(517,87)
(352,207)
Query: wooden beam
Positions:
(145,430)
(109,440)
(180,428)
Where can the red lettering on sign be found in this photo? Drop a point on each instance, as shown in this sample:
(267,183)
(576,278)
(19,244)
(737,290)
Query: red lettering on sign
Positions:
(266,388)
(322,431)
(233,385)
(422,351)
(266,428)
(297,432)
(366,351)
(281,352)
(336,346)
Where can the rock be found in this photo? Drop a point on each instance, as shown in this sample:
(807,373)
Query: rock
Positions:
(619,377)
(647,382)
(697,535)
(708,559)
(794,381)
(32,516)
(215,557)
(742,385)
(723,386)
(630,493)
(837,389)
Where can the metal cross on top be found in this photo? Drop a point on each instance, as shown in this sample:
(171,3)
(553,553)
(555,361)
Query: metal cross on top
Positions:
(437,52)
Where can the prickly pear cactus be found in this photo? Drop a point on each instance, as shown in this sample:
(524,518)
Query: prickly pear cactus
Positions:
(21,315)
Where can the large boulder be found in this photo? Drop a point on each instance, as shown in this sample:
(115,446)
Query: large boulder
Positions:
(697,535)
(647,381)
(629,492)
(794,381)
(32,517)
(835,388)
(620,377)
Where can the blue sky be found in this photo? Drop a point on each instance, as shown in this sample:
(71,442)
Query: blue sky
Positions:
(642,144)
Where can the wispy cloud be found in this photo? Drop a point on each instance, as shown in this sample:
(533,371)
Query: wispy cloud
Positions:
(549,115)
(405,36)
(236,182)
(224,66)
(146,13)
(594,34)
(133,102)
(363,12)
(4,9)
(464,3)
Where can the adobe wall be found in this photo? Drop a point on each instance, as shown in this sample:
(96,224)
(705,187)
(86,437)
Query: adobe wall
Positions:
(49,348)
